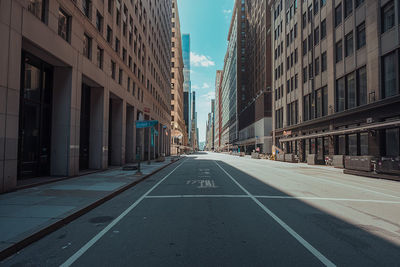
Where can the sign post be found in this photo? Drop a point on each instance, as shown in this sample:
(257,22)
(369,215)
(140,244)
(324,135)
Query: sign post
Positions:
(141,124)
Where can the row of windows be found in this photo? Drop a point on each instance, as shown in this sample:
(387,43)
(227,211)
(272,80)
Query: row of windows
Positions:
(308,16)
(314,67)
(314,39)
(349,43)
(351,90)
(348,9)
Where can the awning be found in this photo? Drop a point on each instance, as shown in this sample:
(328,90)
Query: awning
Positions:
(365,128)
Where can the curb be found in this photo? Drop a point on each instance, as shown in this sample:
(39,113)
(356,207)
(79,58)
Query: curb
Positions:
(14,248)
(373,175)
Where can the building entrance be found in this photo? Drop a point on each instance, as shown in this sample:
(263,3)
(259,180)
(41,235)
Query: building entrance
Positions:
(35,118)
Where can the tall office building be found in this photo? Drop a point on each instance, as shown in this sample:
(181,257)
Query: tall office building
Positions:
(179,136)
(218,106)
(187,84)
(79,74)
(229,84)
(336,78)
(254,87)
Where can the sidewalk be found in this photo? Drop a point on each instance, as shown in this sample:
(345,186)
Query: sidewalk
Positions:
(27,215)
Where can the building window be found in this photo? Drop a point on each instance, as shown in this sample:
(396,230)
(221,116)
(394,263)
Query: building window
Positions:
(316,7)
(340,95)
(362,86)
(304,47)
(109,34)
(316,66)
(361,35)
(348,7)
(113,69)
(310,70)
(351,91)
(110,6)
(316,36)
(116,45)
(64,22)
(99,22)
(349,44)
(305,75)
(87,46)
(323,2)
(100,57)
(392,142)
(37,8)
(323,62)
(363,144)
(358,2)
(128,84)
(120,73)
(86,7)
(323,29)
(304,20)
(338,15)
(389,75)
(387,16)
(306,111)
(352,139)
(339,53)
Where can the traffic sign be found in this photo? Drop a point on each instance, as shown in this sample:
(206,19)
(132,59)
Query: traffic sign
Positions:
(145,124)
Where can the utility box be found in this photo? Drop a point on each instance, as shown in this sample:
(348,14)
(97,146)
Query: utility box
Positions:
(280,157)
(358,163)
(290,158)
(388,165)
(312,159)
(338,161)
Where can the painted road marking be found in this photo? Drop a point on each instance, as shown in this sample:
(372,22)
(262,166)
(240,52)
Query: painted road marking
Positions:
(203,183)
(281,197)
(199,196)
(301,240)
(92,241)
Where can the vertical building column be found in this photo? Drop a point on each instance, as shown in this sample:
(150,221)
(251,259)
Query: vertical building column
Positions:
(98,129)
(130,138)
(10,68)
(117,120)
(65,122)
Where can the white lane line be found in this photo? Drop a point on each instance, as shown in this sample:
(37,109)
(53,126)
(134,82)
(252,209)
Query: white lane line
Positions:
(91,242)
(277,197)
(331,199)
(200,196)
(301,240)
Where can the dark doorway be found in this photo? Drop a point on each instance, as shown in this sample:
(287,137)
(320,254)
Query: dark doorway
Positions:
(84,129)
(35,118)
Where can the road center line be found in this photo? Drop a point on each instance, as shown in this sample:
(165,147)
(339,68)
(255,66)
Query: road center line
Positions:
(302,241)
(92,241)
(200,196)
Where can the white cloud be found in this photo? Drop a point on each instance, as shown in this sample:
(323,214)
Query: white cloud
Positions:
(200,60)
(195,86)
(205,86)
(209,95)
(227,11)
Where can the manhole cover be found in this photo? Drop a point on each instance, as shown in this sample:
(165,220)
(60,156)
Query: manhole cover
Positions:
(101,219)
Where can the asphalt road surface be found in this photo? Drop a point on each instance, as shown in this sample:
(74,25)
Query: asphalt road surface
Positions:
(220,210)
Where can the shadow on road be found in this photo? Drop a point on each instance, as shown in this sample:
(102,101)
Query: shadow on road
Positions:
(340,241)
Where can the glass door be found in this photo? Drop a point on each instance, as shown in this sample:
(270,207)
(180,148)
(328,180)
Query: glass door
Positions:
(35,119)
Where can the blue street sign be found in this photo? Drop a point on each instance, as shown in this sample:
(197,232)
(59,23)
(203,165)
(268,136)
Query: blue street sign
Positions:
(145,124)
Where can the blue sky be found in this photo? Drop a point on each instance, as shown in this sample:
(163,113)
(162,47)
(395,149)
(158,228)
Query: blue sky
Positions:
(207,22)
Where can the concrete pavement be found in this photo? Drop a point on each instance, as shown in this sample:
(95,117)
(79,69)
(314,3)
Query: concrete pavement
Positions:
(219,210)
(27,214)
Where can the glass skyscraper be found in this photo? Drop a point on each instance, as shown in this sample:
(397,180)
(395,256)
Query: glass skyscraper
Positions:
(186,83)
